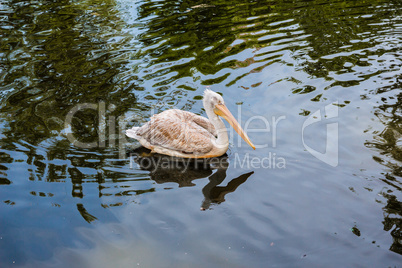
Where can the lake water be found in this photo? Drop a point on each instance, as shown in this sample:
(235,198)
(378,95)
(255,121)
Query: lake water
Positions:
(317,84)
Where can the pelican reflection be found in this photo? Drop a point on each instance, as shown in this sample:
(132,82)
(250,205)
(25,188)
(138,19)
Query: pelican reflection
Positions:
(183,171)
(216,194)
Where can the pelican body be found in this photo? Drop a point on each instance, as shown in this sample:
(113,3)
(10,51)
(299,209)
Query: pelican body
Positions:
(184,134)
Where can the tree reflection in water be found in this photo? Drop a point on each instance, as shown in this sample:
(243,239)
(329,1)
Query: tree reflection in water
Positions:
(389,145)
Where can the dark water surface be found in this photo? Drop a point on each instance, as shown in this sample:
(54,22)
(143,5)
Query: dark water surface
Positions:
(316,83)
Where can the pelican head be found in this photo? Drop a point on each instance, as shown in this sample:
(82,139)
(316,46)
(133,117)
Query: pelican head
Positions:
(214,102)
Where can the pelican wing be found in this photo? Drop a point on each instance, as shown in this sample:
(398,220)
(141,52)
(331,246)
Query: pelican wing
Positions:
(204,123)
(180,131)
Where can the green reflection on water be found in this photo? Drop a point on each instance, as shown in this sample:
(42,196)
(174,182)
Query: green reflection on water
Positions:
(56,55)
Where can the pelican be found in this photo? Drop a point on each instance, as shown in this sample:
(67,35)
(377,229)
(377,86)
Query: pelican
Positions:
(184,134)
